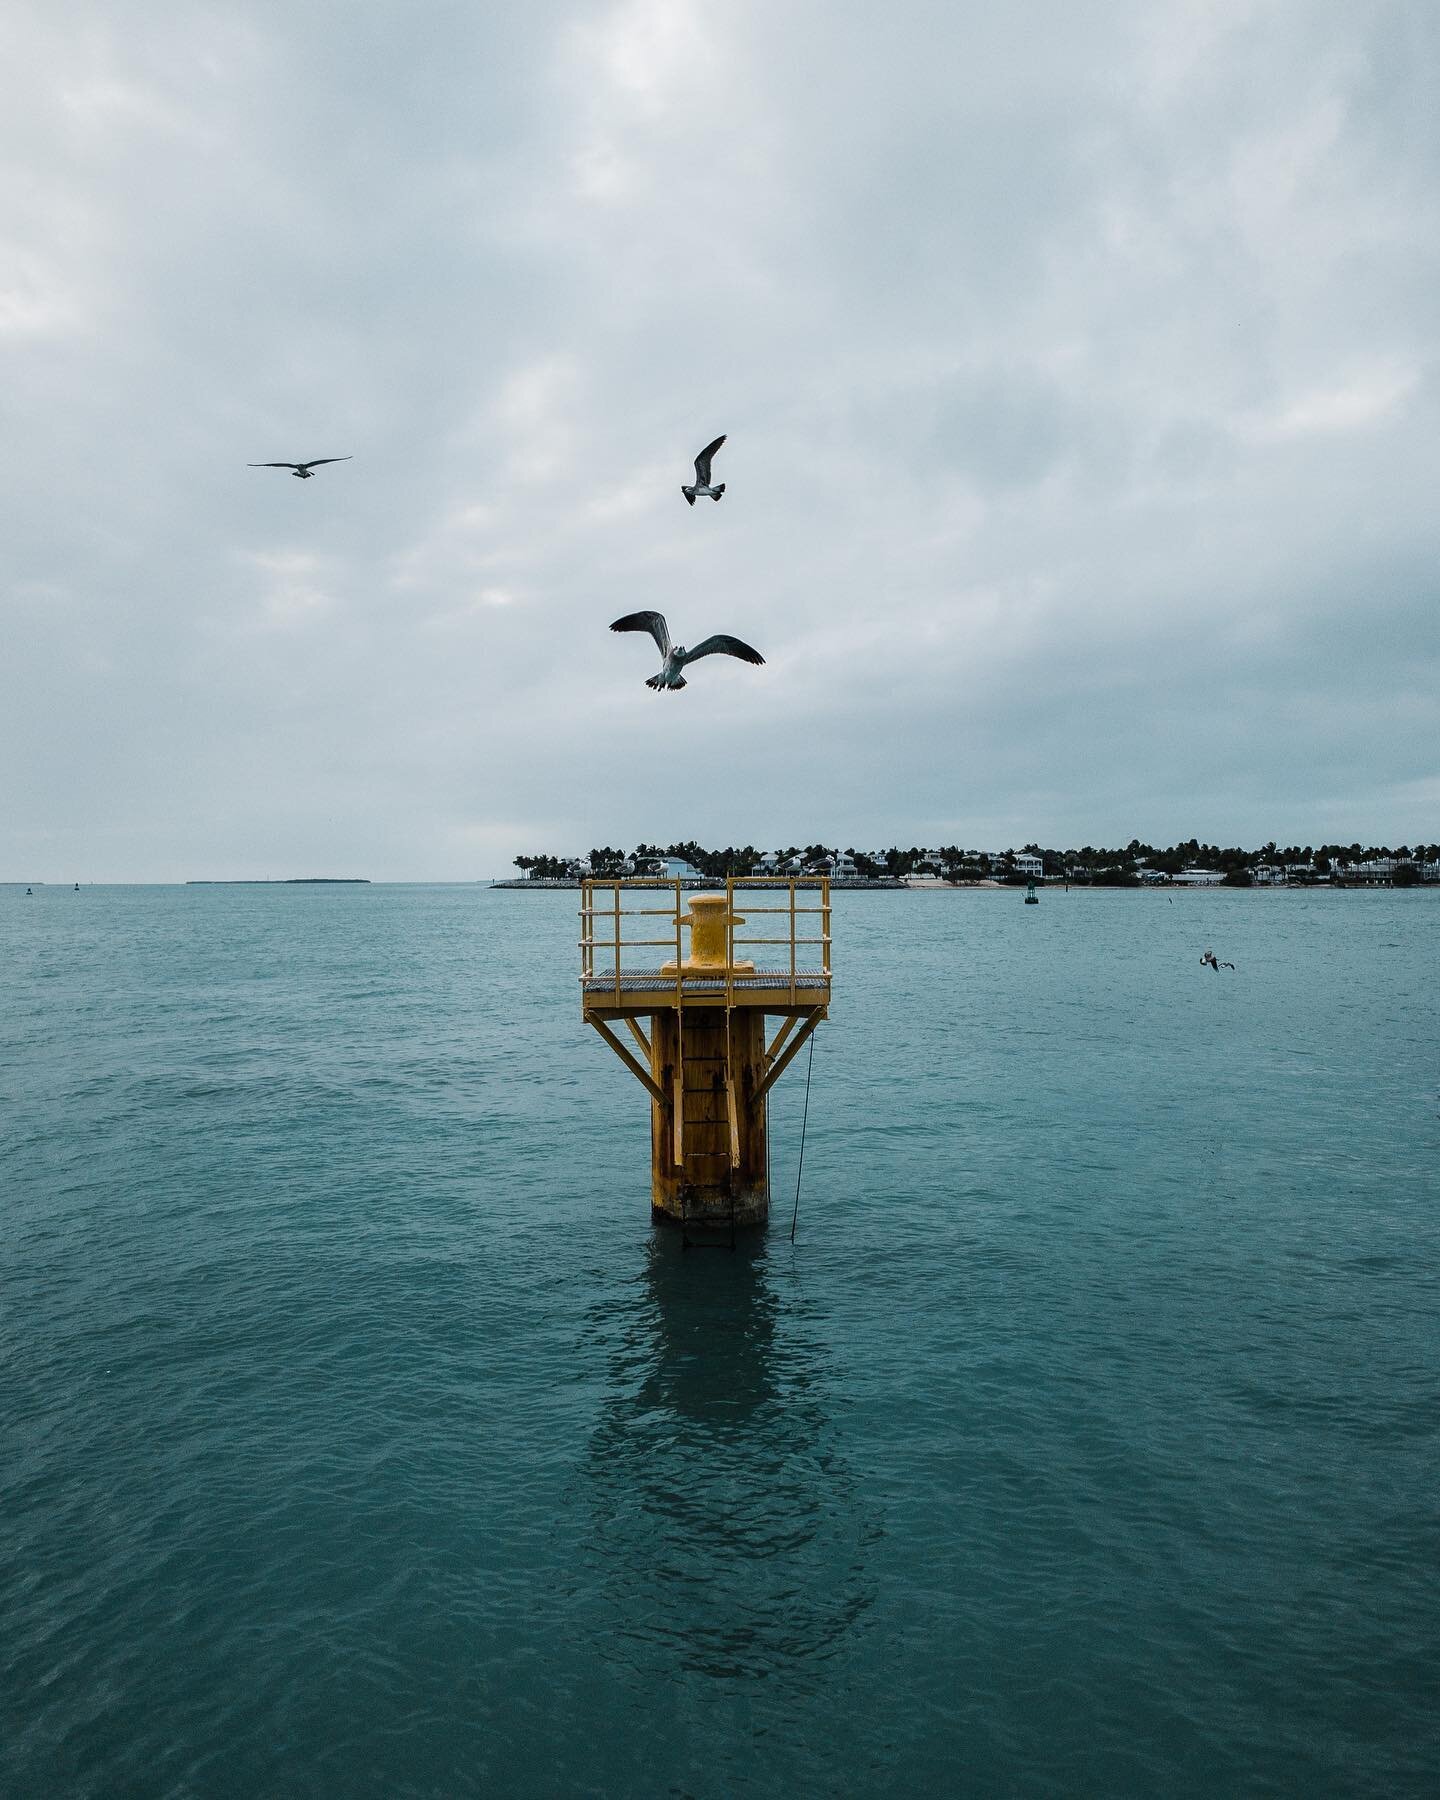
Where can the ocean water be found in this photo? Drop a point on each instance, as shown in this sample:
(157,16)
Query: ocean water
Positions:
(359,1435)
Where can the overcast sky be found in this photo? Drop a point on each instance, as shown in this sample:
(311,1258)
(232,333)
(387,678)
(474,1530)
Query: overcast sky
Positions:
(1078,361)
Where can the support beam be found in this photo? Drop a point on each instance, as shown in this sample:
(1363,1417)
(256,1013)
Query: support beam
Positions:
(642,1075)
(778,1068)
(779,1038)
(637,1031)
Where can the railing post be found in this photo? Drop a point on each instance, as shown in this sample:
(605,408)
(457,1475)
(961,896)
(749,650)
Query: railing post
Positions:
(616,891)
(679,950)
(792,940)
(729,956)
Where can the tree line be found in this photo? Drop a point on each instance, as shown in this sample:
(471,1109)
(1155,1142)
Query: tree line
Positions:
(1103,866)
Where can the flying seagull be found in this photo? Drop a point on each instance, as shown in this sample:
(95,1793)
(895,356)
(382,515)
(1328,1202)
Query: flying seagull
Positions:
(677,656)
(1208,959)
(702,488)
(301,471)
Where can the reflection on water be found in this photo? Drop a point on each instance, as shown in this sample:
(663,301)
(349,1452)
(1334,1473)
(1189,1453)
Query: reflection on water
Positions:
(729,1535)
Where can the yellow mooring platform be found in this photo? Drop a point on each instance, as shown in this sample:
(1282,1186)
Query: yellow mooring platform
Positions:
(705,1060)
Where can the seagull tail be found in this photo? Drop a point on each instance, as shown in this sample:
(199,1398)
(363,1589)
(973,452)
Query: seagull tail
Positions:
(689,494)
(717,492)
(678,682)
(654,682)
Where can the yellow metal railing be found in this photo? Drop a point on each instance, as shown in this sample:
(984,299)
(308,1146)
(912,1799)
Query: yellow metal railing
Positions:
(735,942)
(603,928)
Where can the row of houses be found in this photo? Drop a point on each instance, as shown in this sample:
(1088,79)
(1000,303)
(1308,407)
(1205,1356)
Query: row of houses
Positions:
(1375,871)
(1023,862)
(675,868)
(1381,869)
(840,867)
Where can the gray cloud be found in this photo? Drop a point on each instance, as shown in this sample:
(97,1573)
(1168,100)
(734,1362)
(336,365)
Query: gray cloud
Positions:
(1079,364)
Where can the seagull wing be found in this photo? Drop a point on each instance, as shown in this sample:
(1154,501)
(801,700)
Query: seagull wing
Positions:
(274,465)
(702,461)
(316,461)
(721,645)
(652,622)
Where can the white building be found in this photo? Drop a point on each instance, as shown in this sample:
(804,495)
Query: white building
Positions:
(1199,878)
(1029,865)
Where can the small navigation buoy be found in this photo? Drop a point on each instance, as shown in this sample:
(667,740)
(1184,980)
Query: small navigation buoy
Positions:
(77,887)
(29,893)
(1031,897)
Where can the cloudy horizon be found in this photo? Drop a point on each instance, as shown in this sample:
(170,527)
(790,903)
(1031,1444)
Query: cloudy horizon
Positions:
(1078,365)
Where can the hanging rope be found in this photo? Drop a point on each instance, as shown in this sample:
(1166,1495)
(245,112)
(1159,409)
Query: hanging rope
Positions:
(805,1120)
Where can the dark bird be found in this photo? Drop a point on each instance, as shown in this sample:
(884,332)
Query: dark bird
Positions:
(301,471)
(702,487)
(676,656)
(1208,959)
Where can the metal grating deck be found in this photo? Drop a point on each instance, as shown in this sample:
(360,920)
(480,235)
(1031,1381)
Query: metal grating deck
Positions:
(650,981)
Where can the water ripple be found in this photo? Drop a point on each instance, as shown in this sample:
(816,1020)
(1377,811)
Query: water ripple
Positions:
(359,1435)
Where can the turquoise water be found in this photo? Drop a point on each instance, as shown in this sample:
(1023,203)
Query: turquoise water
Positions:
(358,1435)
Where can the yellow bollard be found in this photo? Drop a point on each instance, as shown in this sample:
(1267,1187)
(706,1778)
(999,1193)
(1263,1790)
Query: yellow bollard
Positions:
(709,920)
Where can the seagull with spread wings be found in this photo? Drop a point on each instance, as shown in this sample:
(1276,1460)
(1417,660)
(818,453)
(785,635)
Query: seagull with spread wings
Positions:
(702,488)
(301,471)
(676,655)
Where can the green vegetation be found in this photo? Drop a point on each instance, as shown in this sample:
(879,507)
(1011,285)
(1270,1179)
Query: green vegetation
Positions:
(644,859)
(1131,866)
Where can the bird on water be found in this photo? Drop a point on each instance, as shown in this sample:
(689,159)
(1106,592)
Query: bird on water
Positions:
(301,471)
(702,489)
(676,655)
(1208,959)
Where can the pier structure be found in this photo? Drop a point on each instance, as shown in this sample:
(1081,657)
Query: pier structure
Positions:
(702,1049)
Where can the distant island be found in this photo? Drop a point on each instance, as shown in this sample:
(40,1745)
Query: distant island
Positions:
(288,881)
(1186,864)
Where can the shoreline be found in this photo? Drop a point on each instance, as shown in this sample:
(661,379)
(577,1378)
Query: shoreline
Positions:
(706,884)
